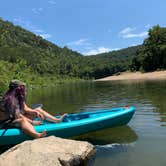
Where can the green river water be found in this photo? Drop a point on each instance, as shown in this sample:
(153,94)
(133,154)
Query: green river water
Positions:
(140,143)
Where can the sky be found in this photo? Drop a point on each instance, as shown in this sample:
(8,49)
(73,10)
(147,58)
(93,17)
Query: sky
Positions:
(87,26)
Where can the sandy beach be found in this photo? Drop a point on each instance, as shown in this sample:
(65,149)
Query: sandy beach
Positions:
(157,75)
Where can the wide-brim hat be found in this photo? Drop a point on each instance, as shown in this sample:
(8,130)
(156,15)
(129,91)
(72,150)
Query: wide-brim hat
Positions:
(15,83)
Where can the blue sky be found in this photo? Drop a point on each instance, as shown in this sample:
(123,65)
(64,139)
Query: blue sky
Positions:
(87,26)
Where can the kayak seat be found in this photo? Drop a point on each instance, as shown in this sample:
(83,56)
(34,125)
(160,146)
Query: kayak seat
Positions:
(37,106)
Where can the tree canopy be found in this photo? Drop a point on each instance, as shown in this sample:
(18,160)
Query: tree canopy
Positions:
(152,55)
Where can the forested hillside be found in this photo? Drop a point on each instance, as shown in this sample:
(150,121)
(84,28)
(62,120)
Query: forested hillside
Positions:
(26,56)
(41,55)
(107,64)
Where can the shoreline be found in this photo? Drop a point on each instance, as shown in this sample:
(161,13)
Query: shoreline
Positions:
(156,75)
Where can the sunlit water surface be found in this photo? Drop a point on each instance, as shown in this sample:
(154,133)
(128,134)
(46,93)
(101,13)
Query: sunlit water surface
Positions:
(140,143)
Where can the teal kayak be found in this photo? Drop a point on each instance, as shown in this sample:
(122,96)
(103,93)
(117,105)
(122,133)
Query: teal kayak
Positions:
(73,124)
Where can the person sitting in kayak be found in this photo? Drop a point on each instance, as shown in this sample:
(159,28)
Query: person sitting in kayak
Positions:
(18,114)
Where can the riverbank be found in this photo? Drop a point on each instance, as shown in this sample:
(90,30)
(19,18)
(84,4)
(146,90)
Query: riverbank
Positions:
(157,75)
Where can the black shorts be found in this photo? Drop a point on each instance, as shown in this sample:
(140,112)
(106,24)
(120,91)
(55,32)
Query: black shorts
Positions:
(8,123)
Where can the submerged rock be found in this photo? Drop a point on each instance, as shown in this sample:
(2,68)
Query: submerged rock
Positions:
(49,151)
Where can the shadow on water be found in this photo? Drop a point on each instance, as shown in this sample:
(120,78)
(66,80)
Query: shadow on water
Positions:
(120,135)
(5,148)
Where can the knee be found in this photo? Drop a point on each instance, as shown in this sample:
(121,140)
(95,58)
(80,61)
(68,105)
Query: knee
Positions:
(22,119)
(39,109)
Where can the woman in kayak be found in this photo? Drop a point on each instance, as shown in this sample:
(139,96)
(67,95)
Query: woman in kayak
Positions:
(18,114)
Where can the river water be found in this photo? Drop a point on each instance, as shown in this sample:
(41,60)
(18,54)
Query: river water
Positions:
(140,143)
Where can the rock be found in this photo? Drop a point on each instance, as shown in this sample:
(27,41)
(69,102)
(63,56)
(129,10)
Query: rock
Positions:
(49,151)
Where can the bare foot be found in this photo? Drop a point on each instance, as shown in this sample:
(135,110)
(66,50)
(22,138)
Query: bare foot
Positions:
(58,120)
(63,115)
(61,118)
(126,107)
(43,134)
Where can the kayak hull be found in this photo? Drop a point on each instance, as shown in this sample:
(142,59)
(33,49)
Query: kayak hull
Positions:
(73,125)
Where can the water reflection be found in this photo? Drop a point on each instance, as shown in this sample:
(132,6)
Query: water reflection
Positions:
(109,136)
(64,98)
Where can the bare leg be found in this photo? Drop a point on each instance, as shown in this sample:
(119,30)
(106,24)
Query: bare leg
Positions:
(28,128)
(33,122)
(49,117)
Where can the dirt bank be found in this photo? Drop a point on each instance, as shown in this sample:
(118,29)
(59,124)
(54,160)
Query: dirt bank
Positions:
(157,75)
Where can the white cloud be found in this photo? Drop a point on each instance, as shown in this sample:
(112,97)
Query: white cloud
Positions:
(130,33)
(79,42)
(37,10)
(134,44)
(99,50)
(133,35)
(127,30)
(37,30)
(45,35)
(52,2)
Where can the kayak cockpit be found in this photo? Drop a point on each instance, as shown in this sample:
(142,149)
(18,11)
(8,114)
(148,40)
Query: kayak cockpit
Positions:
(70,118)
(86,115)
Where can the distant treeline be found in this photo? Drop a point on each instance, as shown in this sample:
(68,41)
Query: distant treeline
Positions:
(29,57)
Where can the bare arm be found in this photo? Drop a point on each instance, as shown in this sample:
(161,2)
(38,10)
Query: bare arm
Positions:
(31,111)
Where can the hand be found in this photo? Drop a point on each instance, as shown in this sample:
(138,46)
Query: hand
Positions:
(39,115)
